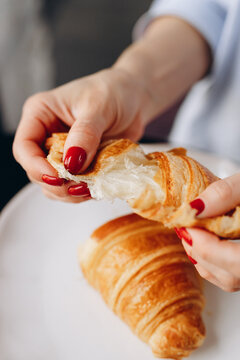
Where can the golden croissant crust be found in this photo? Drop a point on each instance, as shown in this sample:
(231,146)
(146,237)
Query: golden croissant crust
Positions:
(157,186)
(143,274)
(108,149)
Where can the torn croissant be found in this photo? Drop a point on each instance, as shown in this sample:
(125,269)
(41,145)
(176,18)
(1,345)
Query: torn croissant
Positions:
(143,274)
(158,186)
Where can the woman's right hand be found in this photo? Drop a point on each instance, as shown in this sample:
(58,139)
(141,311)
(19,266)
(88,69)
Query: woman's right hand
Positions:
(108,104)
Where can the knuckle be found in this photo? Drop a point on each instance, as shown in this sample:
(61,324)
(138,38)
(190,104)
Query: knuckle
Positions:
(30,101)
(204,253)
(223,190)
(101,86)
(90,131)
(96,101)
(33,101)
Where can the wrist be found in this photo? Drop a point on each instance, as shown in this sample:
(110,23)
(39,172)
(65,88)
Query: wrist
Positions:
(135,92)
(166,62)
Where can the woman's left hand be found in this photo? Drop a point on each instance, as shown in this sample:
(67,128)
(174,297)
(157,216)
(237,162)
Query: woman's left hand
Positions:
(218,261)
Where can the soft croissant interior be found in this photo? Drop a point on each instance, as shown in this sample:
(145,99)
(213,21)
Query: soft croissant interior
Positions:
(158,186)
(120,169)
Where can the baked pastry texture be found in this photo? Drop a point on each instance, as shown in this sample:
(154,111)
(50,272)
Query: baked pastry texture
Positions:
(143,274)
(157,186)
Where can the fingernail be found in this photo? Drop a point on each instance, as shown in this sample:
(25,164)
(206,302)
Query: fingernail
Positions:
(184,235)
(192,260)
(52,180)
(74,159)
(199,205)
(79,190)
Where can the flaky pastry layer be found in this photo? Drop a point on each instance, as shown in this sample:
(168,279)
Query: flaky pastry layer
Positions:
(143,274)
(158,186)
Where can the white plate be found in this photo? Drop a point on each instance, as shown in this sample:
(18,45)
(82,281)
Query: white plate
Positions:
(47,310)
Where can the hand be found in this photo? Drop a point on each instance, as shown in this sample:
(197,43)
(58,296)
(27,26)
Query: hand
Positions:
(105,105)
(218,261)
(148,77)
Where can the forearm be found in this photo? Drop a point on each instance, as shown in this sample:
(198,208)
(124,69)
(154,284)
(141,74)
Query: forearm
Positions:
(166,62)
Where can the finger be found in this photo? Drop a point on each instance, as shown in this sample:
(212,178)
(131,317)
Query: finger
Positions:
(69,190)
(33,159)
(67,199)
(82,142)
(52,191)
(49,194)
(30,137)
(222,253)
(216,275)
(134,132)
(204,273)
(219,197)
(33,180)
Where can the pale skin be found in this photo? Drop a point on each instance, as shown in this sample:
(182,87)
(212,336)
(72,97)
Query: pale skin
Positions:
(218,261)
(148,77)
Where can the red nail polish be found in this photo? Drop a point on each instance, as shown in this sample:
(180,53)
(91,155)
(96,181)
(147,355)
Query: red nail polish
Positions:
(52,180)
(178,233)
(184,235)
(75,159)
(79,190)
(192,260)
(199,205)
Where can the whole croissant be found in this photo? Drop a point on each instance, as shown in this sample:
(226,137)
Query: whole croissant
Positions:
(143,274)
(158,186)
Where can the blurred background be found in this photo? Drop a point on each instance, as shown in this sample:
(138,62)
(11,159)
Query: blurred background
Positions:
(45,43)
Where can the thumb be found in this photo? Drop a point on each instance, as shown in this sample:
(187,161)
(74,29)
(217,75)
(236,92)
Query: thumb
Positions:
(82,143)
(219,197)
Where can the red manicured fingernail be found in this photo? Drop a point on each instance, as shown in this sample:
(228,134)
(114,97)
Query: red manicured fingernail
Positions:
(184,235)
(74,159)
(52,180)
(178,233)
(199,205)
(79,190)
(192,260)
